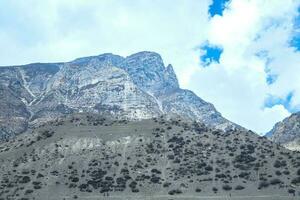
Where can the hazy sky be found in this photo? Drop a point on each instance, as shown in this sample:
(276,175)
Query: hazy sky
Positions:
(241,55)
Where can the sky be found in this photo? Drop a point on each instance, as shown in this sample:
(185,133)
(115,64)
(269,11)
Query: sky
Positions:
(241,55)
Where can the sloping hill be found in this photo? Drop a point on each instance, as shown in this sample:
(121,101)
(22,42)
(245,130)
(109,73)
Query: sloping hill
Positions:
(86,156)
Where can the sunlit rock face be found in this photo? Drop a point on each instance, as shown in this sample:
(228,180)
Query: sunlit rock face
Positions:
(137,87)
(287,132)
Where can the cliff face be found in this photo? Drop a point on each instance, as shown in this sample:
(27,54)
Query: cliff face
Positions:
(136,87)
(287,132)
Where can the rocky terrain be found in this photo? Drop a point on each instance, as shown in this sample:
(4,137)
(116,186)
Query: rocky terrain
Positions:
(109,127)
(136,87)
(89,156)
(287,132)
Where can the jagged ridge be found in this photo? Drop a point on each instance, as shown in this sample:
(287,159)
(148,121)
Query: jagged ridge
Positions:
(136,87)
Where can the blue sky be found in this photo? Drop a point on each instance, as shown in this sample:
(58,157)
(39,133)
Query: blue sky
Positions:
(247,64)
(211,54)
(271,101)
(295,39)
(217,7)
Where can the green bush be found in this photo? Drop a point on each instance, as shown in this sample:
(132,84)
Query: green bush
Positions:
(296,181)
(227,187)
(275,181)
(239,187)
(263,184)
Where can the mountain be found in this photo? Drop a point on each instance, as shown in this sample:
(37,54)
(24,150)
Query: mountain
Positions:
(89,156)
(137,87)
(287,132)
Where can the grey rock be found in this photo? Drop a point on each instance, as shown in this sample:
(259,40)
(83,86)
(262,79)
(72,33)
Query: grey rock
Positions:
(136,87)
(287,132)
(185,103)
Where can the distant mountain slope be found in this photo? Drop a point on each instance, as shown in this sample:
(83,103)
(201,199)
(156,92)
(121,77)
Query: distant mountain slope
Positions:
(287,132)
(136,87)
(93,157)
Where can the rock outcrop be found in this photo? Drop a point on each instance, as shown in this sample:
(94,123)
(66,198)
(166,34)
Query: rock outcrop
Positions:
(136,87)
(287,132)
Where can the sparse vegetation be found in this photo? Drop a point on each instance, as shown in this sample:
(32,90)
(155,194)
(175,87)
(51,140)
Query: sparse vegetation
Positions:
(175,161)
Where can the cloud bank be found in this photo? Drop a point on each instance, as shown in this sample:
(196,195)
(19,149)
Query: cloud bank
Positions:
(256,81)
(240,55)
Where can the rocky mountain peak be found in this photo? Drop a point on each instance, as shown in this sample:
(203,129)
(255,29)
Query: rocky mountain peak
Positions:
(287,132)
(145,59)
(106,58)
(147,71)
(137,87)
(171,77)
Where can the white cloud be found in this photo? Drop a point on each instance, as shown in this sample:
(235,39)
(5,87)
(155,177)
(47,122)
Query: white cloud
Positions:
(237,86)
(65,29)
(61,30)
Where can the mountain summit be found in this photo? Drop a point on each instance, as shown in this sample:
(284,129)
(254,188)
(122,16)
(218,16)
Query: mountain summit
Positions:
(137,87)
(122,128)
(287,132)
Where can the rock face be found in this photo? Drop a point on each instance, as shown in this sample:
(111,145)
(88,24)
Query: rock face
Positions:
(94,157)
(136,87)
(287,132)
